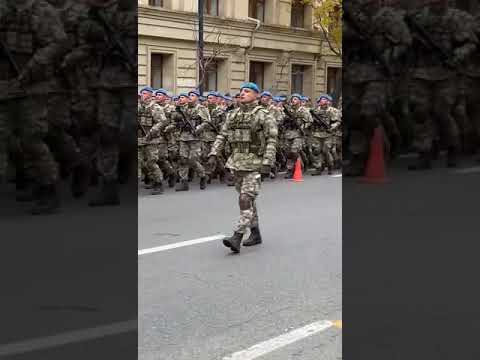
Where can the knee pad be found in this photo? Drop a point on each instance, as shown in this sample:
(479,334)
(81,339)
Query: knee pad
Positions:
(245,202)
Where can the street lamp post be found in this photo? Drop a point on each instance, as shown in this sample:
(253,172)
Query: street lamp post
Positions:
(200,46)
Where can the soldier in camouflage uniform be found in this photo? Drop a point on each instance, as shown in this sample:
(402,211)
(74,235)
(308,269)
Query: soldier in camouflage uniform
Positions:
(165,163)
(336,131)
(320,137)
(380,37)
(296,121)
(252,133)
(442,43)
(191,118)
(152,146)
(208,136)
(34,41)
(116,91)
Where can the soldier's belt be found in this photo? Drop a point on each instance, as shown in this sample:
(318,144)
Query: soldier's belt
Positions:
(246,148)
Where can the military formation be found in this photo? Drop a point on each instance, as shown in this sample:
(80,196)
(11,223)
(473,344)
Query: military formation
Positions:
(414,72)
(68,85)
(176,135)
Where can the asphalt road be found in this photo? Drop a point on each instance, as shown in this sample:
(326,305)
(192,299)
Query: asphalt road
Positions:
(200,302)
(410,256)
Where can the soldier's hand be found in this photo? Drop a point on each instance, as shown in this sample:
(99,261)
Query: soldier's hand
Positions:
(212,162)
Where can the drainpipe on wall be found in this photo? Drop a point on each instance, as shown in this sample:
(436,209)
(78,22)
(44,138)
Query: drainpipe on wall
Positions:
(251,44)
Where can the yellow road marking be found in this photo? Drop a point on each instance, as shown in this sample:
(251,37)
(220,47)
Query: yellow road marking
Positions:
(337,323)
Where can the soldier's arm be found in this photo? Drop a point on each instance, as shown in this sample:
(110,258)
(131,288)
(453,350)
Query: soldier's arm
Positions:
(221,139)
(270,130)
(53,41)
(206,119)
(160,120)
(307,119)
(465,38)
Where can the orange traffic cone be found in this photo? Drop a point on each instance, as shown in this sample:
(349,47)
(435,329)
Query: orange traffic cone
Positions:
(297,175)
(375,170)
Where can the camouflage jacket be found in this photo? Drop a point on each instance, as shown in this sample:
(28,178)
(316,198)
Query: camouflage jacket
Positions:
(251,132)
(191,120)
(454,40)
(35,38)
(389,38)
(329,115)
(295,126)
(217,118)
(152,119)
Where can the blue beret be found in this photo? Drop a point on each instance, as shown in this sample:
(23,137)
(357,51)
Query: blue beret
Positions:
(161,91)
(266,93)
(212,93)
(250,85)
(196,92)
(147,88)
(324,96)
(183,94)
(297,96)
(228,98)
(237,95)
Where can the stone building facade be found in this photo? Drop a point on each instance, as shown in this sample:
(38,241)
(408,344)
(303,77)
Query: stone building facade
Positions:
(271,42)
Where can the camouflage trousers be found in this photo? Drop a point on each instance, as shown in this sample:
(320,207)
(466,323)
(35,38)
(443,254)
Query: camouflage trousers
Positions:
(190,154)
(293,151)
(148,156)
(26,119)
(247,184)
(60,141)
(116,108)
(432,103)
(321,151)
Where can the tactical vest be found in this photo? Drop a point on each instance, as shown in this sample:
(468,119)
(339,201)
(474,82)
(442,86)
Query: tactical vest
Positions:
(245,136)
(145,118)
(17,33)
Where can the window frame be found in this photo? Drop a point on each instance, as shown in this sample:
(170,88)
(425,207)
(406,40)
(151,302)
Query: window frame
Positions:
(208,7)
(253,65)
(298,6)
(153,3)
(154,67)
(206,80)
(253,9)
(295,73)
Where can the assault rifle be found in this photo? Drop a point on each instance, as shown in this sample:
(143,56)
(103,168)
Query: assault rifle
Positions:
(113,37)
(185,121)
(427,40)
(319,120)
(291,119)
(347,15)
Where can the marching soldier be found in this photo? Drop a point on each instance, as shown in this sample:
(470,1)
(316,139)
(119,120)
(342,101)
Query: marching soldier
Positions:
(252,133)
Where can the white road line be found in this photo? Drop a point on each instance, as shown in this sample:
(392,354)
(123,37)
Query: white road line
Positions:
(470,170)
(70,337)
(337,175)
(268,346)
(180,244)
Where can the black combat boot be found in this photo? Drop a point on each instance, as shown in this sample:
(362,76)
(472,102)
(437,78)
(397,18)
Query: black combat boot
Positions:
(289,174)
(234,242)
(171,181)
(255,237)
(107,196)
(191,175)
(424,162)
(203,183)
(157,189)
(330,170)
(28,194)
(80,180)
(451,157)
(47,201)
(182,186)
(356,166)
(317,171)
